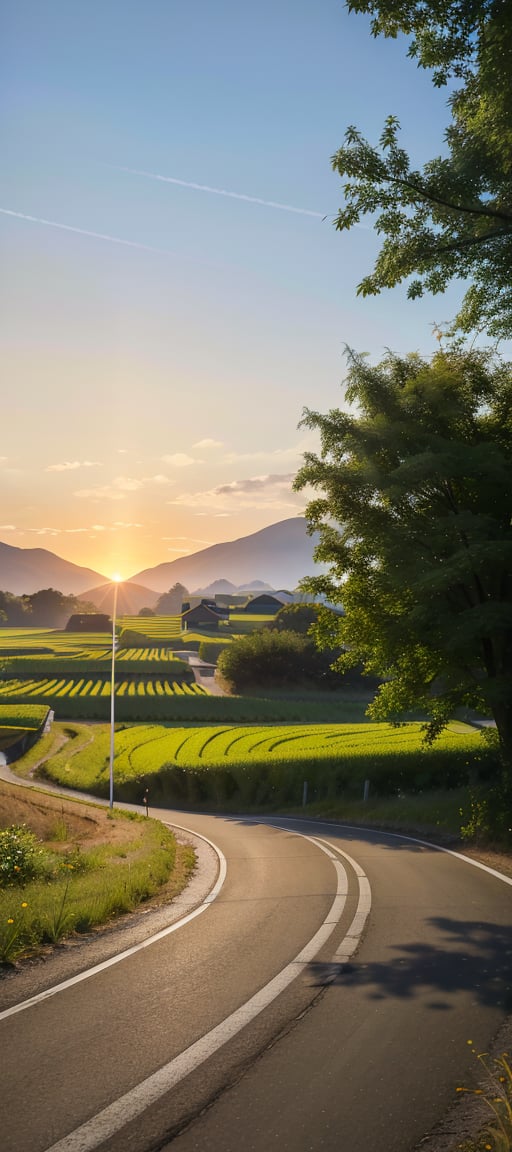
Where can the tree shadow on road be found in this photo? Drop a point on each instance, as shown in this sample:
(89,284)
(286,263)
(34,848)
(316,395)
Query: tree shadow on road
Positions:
(464,955)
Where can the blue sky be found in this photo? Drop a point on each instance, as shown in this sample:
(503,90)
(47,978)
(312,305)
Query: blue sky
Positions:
(149,384)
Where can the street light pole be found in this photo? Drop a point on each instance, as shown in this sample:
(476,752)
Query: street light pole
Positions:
(112,698)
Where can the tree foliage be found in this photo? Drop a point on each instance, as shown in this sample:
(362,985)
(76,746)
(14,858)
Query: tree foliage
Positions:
(296,618)
(452,218)
(170,603)
(14,610)
(414,515)
(49,608)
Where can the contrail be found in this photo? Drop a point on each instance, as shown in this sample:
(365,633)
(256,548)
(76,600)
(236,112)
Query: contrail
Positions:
(219,191)
(86,232)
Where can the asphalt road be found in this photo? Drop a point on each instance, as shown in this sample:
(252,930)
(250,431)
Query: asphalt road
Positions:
(235,1032)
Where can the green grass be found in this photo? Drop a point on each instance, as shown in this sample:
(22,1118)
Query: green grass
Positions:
(441,811)
(78,888)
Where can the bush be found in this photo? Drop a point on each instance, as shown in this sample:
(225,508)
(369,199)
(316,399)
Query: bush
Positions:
(273,658)
(20,855)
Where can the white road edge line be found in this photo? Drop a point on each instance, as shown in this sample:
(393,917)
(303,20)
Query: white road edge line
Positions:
(116,1115)
(352,937)
(212,895)
(394,836)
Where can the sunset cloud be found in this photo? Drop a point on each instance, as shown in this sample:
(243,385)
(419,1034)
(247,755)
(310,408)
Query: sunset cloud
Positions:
(255,484)
(71,465)
(295,452)
(208,443)
(181,460)
(188,539)
(120,486)
(270,492)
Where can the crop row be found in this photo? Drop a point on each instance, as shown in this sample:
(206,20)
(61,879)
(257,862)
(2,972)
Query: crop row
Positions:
(93,664)
(57,688)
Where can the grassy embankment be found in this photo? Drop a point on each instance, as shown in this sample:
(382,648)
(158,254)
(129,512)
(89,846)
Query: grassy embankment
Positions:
(67,867)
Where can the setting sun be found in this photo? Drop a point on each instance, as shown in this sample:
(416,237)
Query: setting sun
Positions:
(116,578)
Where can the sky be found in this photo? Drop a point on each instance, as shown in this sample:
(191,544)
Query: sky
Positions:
(171,296)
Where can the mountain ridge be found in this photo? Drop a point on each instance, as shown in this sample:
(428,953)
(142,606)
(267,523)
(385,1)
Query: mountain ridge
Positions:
(277,556)
(24,571)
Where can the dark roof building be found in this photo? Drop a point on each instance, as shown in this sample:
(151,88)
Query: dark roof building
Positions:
(203,615)
(89,622)
(265,603)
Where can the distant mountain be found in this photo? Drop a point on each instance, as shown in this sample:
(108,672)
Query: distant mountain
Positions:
(255,586)
(275,557)
(216,588)
(226,588)
(130,598)
(279,555)
(27,570)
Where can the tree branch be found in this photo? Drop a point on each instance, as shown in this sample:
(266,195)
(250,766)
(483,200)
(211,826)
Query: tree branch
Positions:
(484,211)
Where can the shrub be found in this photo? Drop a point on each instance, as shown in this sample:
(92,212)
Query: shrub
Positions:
(20,855)
(272,657)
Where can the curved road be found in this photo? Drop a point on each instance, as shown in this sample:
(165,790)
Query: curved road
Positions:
(267,1022)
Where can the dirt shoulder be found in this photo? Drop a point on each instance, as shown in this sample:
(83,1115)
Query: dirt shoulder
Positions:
(58,821)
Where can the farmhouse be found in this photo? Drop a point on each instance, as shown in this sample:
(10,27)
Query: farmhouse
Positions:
(206,615)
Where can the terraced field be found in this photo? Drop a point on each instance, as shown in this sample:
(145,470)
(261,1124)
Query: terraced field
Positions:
(20,726)
(14,641)
(236,765)
(156,627)
(71,673)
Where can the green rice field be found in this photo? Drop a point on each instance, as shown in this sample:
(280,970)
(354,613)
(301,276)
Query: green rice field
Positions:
(14,641)
(30,716)
(57,688)
(233,766)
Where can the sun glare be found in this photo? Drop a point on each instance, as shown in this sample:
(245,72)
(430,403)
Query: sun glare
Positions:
(116,578)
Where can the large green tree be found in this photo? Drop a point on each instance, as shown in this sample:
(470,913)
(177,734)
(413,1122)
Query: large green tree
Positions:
(415,519)
(451,219)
